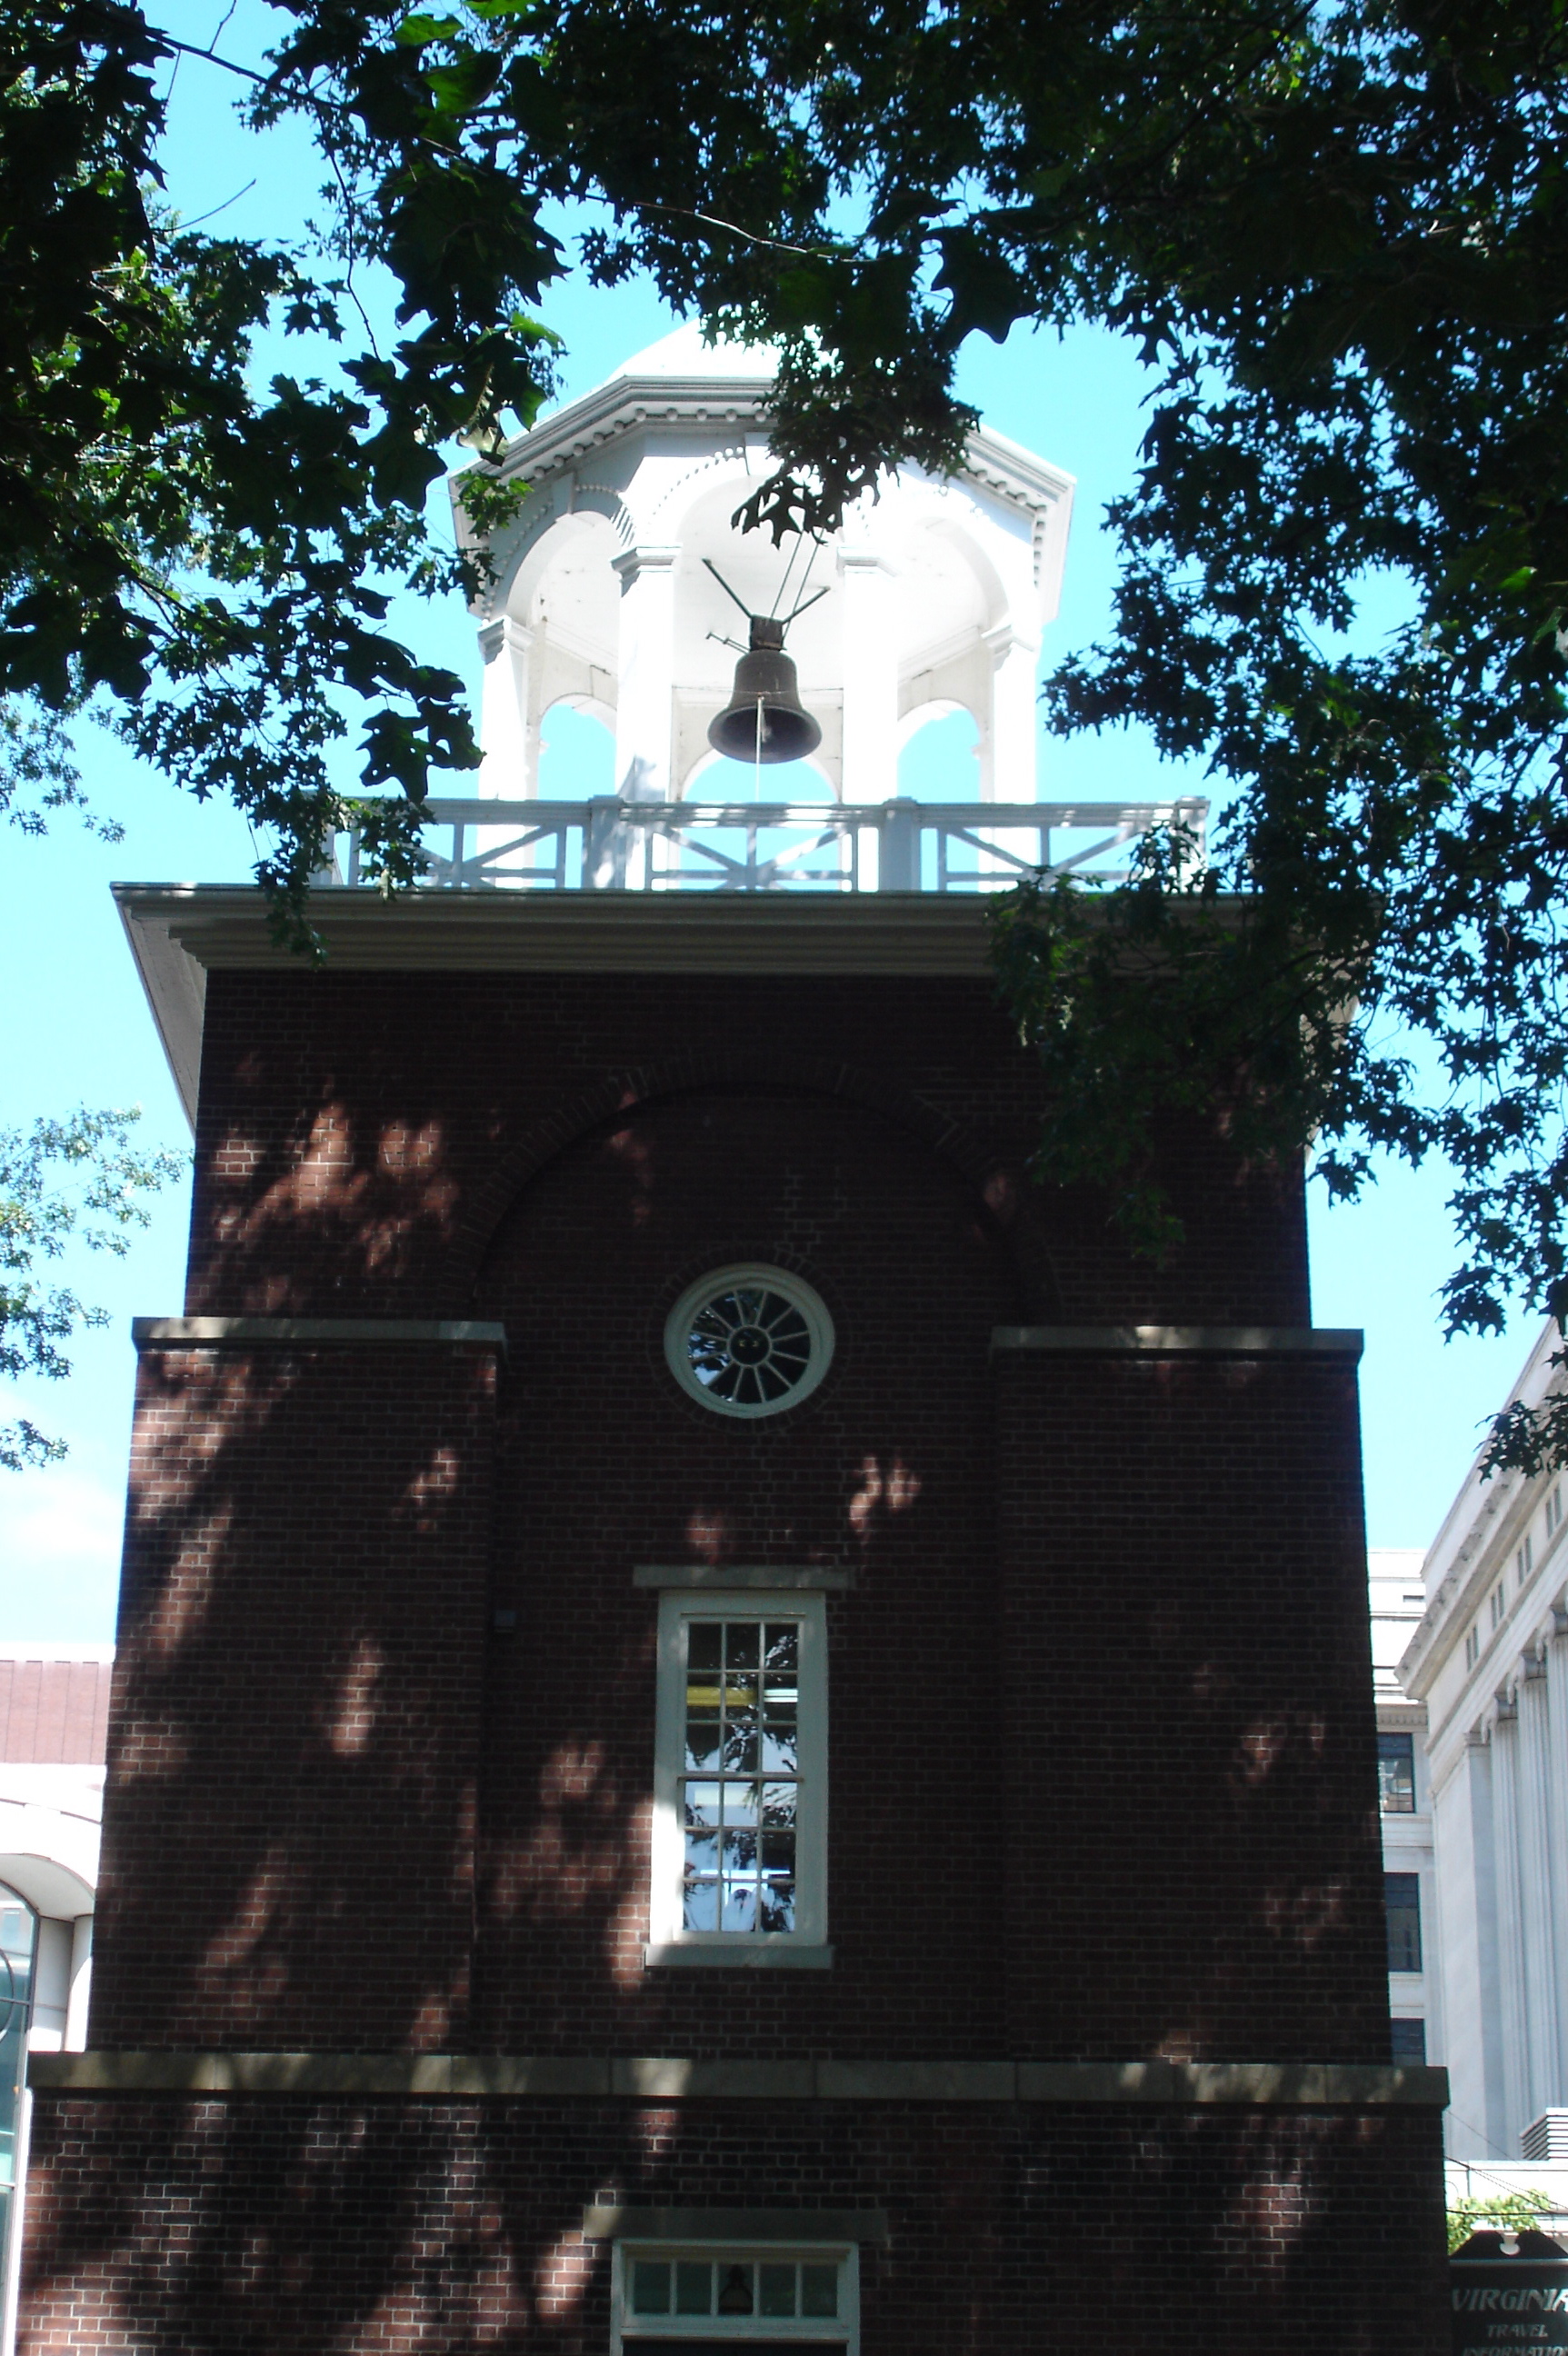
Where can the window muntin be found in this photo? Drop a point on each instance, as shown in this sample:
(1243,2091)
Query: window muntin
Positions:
(755,2297)
(748,1341)
(1396,1774)
(740,1793)
(1402,1904)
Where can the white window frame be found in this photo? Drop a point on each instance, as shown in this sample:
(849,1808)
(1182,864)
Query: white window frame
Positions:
(669,1941)
(640,2335)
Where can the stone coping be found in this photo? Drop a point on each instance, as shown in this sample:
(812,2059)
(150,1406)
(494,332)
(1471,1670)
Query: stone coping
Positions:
(739,1575)
(324,1332)
(438,2076)
(605,2221)
(1173,1341)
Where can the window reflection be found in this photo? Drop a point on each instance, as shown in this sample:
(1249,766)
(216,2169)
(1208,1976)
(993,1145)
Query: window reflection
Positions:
(18,1943)
(740,1780)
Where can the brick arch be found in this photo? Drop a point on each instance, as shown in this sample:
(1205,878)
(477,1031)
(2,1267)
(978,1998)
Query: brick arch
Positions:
(953,1141)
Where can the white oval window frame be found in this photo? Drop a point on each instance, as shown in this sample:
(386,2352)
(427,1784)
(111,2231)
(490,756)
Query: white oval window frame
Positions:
(801,1296)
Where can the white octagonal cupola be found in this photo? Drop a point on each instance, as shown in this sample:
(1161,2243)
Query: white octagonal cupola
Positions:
(618,589)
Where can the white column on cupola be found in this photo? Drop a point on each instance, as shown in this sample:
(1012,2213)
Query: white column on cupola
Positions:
(645,708)
(1007,744)
(1511,1938)
(870,676)
(509,769)
(1535,1888)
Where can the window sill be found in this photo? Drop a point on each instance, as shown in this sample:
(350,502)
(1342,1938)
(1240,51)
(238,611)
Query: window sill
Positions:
(684,1954)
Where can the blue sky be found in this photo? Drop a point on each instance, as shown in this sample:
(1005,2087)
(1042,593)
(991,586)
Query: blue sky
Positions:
(81,1031)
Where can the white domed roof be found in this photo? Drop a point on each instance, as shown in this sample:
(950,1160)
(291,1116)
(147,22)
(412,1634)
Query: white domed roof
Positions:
(685,353)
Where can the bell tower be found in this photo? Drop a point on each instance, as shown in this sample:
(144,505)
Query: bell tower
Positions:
(616,589)
(735,1732)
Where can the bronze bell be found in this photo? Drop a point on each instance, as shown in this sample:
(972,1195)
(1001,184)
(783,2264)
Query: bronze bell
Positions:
(765,719)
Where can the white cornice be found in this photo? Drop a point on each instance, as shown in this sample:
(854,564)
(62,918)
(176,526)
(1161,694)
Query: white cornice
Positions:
(629,404)
(1478,1534)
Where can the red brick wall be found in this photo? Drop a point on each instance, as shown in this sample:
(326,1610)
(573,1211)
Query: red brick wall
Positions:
(1189,1691)
(54,1713)
(1101,1767)
(266,2228)
(270,1881)
(289,1818)
(359,1132)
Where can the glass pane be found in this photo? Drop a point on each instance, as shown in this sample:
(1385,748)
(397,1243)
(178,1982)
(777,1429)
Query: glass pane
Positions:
(739,1911)
(1396,1774)
(741,1746)
(778,1803)
(781,1656)
(1407,2039)
(694,2288)
(775,2290)
(703,1742)
(700,1909)
(1402,1898)
(741,1802)
(777,1908)
(820,2288)
(17,1933)
(734,2291)
(651,2287)
(742,1642)
(702,1802)
(778,1852)
(702,1852)
(704,1640)
(740,1852)
(779,1753)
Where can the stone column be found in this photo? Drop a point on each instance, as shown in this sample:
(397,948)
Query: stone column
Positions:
(645,711)
(1535,1889)
(1557,1820)
(510,770)
(870,679)
(1510,1939)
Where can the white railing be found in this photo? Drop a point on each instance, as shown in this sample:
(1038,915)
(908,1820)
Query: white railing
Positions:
(899,846)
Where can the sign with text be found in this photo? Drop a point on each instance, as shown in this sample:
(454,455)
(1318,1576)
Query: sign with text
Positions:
(1507,2301)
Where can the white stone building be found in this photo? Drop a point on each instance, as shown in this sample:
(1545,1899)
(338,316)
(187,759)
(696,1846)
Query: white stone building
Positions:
(1487,1664)
(54,1715)
(1397,1600)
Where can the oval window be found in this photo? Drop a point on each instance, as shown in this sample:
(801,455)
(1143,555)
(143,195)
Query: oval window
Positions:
(748,1341)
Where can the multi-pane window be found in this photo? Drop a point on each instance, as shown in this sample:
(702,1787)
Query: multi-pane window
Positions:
(1402,1903)
(740,1775)
(1472,1645)
(1407,2039)
(1499,1604)
(1396,1774)
(1554,1511)
(678,2299)
(1524,1558)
